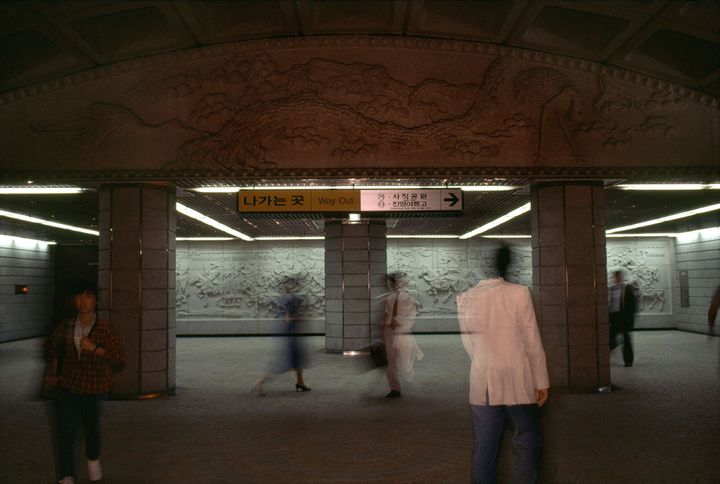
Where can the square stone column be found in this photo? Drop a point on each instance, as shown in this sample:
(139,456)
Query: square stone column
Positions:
(355,272)
(570,282)
(137,283)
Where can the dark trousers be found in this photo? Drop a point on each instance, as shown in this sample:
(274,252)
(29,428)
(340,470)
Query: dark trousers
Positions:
(618,325)
(71,408)
(488,424)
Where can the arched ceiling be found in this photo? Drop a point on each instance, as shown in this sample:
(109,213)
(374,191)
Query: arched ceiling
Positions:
(673,40)
(676,41)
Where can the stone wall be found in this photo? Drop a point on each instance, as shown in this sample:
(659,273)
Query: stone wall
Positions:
(699,256)
(31,264)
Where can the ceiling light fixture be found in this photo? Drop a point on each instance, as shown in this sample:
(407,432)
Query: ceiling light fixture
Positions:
(290,238)
(498,221)
(469,188)
(189,212)
(35,220)
(183,239)
(422,236)
(9,240)
(505,236)
(667,218)
(661,186)
(40,190)
(659,234)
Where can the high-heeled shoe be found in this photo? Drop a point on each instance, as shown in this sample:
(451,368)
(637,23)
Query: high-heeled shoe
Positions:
(301,388)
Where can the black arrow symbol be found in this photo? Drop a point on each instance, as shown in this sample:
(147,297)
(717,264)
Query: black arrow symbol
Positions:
(453,199)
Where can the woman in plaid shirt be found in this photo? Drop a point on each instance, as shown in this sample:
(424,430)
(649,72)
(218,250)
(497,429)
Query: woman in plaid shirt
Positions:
(92,351)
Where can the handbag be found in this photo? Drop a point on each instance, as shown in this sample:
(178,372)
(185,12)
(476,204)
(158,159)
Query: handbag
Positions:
(53,370)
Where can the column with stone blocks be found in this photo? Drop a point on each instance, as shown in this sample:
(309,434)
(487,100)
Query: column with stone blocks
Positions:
(137,283)
(355,271)
(570,282)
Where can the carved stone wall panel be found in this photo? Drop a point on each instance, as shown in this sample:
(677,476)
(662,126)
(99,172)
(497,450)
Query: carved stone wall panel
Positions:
(647,264)
(354,101)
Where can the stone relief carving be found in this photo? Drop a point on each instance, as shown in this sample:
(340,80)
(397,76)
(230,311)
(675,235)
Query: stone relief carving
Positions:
(248,112)
(646,265)
(244,281)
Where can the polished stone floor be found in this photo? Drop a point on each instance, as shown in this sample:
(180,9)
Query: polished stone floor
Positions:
(662,424)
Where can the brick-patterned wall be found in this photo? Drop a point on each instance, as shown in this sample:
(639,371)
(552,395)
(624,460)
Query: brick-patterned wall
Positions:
(28,315)
(699,255)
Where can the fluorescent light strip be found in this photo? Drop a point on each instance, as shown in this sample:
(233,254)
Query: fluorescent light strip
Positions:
(40,191)
(181,239)
(290,238)
(35,220)
(498,221)
(422,236)
(6,240)
(662,234)
(469,188)
(505,236)
(667,218)
(189,212)
(668,186)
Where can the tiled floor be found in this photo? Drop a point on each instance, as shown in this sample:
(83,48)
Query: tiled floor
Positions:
(661,426)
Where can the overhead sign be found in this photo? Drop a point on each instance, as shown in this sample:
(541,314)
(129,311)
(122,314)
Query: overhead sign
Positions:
(282,201)
(278,201)
(411,200)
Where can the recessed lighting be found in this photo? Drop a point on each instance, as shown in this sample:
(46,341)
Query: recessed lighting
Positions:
(35,220)
(291,238)
(422,236)
(181,239)
(498,221)
(468,188)
(667,218)
(7,240)
(661,186)
(505,236)
(189,212)
(40,190)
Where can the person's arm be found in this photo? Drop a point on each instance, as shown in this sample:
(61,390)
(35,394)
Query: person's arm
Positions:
(533,347)
(52,346)
(464,325)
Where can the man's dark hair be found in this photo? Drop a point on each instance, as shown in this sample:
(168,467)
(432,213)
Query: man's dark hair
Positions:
(81,286)
(502,260)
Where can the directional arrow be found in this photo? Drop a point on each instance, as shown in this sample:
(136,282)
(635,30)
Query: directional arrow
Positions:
(453,199)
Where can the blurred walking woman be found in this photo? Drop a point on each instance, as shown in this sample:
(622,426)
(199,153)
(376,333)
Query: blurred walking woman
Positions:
(87,351)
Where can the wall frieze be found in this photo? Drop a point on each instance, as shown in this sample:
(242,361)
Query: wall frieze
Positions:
(341,41)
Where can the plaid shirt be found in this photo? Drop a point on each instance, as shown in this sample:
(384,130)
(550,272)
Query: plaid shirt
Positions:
(88,373)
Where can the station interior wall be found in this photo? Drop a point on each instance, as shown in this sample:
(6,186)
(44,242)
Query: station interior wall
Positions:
(229,287)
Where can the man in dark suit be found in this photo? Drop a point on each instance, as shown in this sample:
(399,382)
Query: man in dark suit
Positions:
(622,306)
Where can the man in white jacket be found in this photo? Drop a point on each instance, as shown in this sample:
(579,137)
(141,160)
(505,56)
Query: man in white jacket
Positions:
(508,373)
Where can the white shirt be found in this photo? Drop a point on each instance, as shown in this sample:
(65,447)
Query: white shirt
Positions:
(406,309)
(501,336)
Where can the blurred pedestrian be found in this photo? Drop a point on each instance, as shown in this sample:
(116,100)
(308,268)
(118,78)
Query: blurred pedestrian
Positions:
(290,309)
(508,373)
(400,345)
(713,308)
(91,351)
(622,306)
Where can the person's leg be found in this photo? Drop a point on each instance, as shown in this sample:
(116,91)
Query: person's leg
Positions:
(628,354)
(613,321)
(66,416)
(391,353)
(488,422)
(91,410)
(527,441)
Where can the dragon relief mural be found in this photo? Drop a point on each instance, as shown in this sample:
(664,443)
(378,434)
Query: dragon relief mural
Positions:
(246,112)
(647,267)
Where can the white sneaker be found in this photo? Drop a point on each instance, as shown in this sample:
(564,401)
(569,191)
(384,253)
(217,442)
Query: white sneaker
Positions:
(94,470)
(67,480)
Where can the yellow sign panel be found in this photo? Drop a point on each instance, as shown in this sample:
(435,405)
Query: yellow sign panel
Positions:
(274,201)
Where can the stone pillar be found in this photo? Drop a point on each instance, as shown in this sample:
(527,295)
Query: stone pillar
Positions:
(355,271)
(137,283)
(570,281)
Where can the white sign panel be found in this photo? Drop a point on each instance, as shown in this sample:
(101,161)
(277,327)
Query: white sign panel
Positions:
(411,200)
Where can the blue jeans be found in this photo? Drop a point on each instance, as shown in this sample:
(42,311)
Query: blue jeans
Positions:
(488,424)
(69,407)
